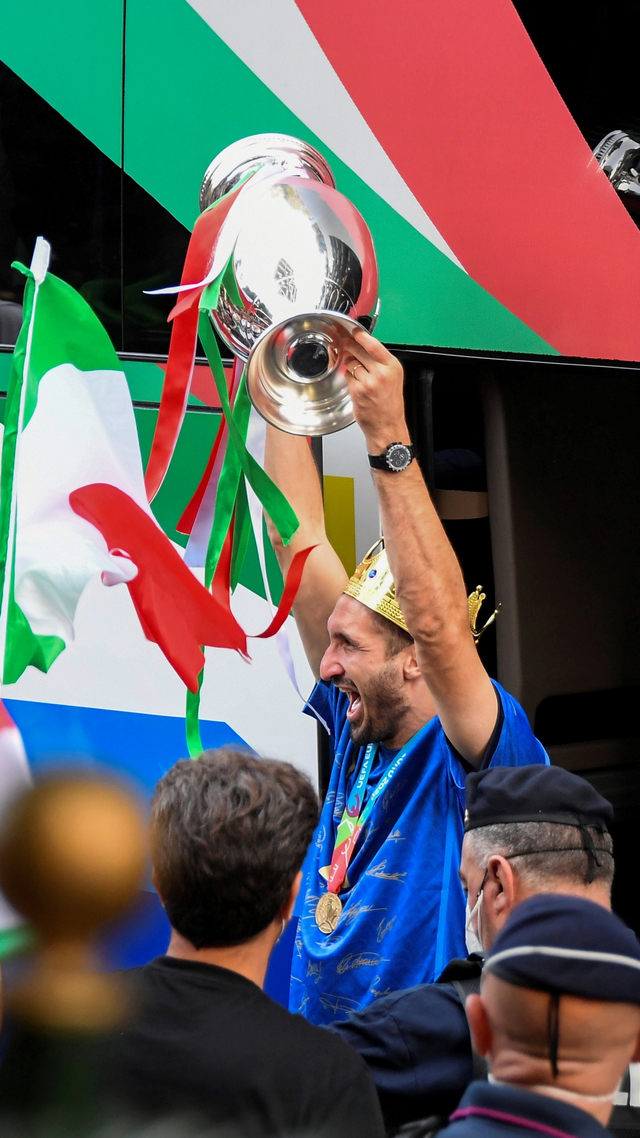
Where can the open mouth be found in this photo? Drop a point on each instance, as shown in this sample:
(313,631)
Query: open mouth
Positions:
(355,704)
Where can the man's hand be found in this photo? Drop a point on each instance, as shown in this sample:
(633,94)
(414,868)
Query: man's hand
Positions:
(375,381)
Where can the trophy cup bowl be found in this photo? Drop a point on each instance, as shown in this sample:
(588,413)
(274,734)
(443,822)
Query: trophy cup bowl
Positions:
(304,269)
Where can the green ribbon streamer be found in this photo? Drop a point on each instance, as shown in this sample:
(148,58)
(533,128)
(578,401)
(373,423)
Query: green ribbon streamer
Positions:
(226,496)
(230,284)
(270,496)
(242,530)
(228,486)
(192,721)
(227,280)
(231,493)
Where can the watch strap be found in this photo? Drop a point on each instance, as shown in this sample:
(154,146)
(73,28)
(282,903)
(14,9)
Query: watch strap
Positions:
(378,461)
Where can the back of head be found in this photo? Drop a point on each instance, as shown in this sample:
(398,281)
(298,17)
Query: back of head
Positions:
(596,1039)
(229,833)
(561,991)
(551,824)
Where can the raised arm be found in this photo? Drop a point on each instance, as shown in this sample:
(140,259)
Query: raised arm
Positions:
(289,461)
(428,579)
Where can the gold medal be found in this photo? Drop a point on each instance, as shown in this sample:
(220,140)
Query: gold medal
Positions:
(328,912)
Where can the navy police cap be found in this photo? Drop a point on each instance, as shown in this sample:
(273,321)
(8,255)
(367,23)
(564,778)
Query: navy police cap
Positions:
(568,946)
(534,793)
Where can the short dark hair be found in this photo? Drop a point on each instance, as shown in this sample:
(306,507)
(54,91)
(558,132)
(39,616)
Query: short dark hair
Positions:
(545,851)
(228,834)
(396,638)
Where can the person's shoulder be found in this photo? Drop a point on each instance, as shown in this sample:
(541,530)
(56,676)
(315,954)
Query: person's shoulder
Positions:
(512,710)
(425,1007)
(140,978)
(332,1079)
(425,1004)
(140,970)
(317,1044)
(461,969)
(132,976)
(428,740)
(526,1110)
(517,745)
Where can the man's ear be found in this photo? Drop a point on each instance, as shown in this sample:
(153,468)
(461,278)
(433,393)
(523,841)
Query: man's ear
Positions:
(289,905)
(479,1025)
(410,667)
(500,888)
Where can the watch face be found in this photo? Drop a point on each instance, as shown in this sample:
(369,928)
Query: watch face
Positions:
(398,457)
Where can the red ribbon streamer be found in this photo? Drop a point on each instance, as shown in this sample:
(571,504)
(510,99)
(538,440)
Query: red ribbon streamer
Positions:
(221,585)
(190,513)
(182,349)
(291,586)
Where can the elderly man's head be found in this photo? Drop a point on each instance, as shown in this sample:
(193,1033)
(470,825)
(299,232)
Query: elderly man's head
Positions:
(531,830)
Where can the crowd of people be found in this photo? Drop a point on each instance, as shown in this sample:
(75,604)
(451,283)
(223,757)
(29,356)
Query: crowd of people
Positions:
(456,965)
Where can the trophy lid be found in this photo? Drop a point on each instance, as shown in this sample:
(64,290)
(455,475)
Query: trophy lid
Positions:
(248,154)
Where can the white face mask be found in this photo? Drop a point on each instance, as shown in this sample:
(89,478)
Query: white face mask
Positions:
(473,939)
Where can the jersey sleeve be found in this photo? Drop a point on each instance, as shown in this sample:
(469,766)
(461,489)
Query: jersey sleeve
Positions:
(516,745)
(417,1046)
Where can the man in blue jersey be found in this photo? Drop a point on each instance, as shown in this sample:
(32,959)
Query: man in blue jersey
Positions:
(410,710)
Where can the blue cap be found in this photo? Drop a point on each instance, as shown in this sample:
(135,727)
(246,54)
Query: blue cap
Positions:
(533,793)
(567,946)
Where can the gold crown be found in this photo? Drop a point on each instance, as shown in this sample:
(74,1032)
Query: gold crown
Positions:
(373,585)
(474,600)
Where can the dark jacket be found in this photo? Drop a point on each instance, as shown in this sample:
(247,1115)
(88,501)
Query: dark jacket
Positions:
(486,1111)
(417,1046)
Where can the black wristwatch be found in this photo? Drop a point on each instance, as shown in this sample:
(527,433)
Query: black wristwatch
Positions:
(397,457)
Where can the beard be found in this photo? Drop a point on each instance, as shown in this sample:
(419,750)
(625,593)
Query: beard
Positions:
(384,705)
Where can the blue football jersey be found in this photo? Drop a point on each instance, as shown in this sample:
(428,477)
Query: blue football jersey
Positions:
(403,904)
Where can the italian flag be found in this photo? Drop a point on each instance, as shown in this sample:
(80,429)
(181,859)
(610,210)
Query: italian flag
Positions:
(73,501)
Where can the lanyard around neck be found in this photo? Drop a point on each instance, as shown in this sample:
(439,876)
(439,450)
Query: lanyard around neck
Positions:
(356,812)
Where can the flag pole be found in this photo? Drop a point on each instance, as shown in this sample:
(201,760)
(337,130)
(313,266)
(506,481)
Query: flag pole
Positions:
(38,268)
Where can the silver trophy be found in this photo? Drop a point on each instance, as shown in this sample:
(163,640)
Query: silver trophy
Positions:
(305,274)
